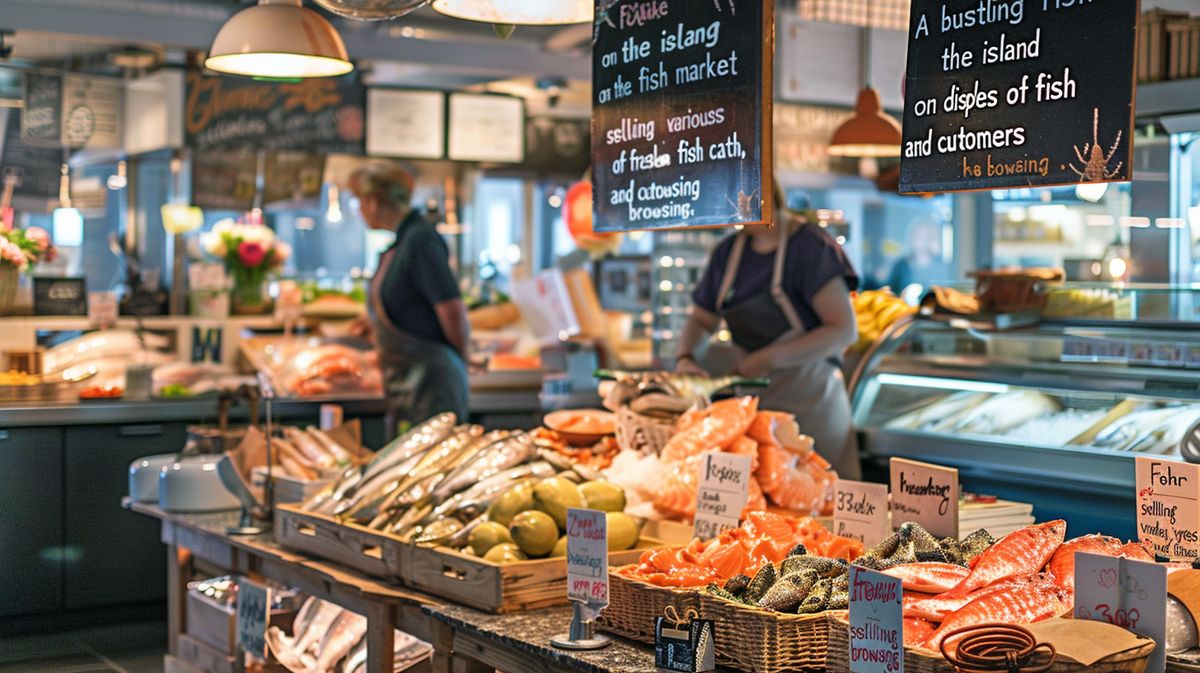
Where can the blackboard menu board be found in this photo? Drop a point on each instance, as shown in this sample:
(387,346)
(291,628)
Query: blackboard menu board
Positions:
(38,168)
(557,145)
(224,180)
(41,119)
(681,123)
(1008,93)
(314,115)
(60,296)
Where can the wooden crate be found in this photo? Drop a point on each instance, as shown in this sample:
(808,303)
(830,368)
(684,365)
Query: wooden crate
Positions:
(204,658)
(371,552)
(211,623)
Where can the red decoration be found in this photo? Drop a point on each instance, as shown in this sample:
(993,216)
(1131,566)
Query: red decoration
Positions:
(577,214)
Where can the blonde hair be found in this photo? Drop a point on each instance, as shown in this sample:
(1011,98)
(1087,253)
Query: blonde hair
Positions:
(391,185)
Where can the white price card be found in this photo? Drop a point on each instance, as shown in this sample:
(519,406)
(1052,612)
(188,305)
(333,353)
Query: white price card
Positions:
(876,622)
(925,494)
(587,557)
(860,511)
(1168,507)
(1129,594)
(724,490)
(253,611)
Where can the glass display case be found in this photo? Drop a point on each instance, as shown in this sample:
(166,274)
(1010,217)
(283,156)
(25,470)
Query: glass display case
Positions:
(1050,413)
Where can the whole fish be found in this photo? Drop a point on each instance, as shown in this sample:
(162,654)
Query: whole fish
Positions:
(324,617)
(380,484)
(477,498)
(1021,552)
(1133,429)
(1062,564)
(507,452)
(339,452)
(1002,413)
(929,577)
(935,608)
(357,658)
(344,633)
(311,449)
(479,448)
(1016,605)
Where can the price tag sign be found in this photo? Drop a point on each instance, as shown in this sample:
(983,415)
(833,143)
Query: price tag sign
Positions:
(861,511)
(724,490)
(876,622)
(587,557)
(1129,594)
(253,611)
(687,648)
(1168,507)
(925,494)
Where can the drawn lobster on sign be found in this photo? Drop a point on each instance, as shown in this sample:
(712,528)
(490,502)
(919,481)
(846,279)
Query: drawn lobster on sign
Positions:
(732,6)
(1095,166)
(745,207)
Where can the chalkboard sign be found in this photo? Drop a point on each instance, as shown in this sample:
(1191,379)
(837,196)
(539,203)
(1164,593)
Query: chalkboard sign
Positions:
(60,296)
(224,180)
(681,124)
(38,168)
(41,120)
(557,145)
(1017,94)
(314,115)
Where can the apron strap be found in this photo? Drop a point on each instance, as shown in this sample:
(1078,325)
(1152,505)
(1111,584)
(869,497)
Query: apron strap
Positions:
(731,269)
(777,291)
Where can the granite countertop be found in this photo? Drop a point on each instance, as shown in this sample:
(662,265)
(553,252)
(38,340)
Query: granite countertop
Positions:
(530,633)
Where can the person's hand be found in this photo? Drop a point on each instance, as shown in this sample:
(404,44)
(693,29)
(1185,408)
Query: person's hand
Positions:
(686,366)
(754,365)
(360,328)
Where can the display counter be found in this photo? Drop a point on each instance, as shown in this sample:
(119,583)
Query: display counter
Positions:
(1051,414)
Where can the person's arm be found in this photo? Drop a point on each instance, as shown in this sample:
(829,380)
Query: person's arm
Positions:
(838,330)
(452,316)
(699,326)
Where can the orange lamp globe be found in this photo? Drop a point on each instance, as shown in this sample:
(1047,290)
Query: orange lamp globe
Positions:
(577,215)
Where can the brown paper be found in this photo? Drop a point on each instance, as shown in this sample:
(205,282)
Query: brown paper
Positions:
(1185,586)
(1084,640)
(251,452)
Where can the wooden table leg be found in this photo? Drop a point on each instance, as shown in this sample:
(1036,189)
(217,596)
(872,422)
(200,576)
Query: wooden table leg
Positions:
(381,638)
(443,648)
(179,573)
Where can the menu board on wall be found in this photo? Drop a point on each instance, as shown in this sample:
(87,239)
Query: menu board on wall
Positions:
(681,124)
(38,168)
(72,110)
(41,118)
(224,180)
(1016,94)
(313,115)
(292,176)
(487,128)
(557,145)
(409,124)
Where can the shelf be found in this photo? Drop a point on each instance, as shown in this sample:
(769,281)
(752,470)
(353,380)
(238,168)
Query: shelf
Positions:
(1164,99)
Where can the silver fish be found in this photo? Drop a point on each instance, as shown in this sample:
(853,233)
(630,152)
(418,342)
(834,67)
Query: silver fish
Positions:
(1002,413)
(482,494)
(393,476)
(507,452)
(349,628)
(356,658)
(339,452)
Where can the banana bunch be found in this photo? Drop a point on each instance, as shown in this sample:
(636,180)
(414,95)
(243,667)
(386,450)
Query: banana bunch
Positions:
(876,311)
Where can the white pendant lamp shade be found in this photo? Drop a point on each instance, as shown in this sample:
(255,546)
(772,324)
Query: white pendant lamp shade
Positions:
(279,39)
(520,12)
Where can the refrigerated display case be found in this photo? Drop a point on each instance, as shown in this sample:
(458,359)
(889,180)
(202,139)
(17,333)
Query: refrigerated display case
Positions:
(1052,413)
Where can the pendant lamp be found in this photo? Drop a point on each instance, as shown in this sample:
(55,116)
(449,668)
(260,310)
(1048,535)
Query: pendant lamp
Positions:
(871,132)
(519,12)
(278,39)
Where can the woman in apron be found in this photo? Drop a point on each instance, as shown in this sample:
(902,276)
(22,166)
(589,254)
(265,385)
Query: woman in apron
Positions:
(784,295)
(414,310)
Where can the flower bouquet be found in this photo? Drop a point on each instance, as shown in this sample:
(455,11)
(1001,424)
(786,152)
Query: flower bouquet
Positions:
(20,249)
(251,253)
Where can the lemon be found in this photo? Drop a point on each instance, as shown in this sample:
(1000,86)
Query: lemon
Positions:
(560,549)
(505,553)
(623,531)
(603,496)
(512,502)
(534,532)
(487,535)
(555,496)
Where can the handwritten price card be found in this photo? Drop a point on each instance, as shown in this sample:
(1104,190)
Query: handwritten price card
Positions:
(925,494)
(587,557)
(876,622)
(724,490)
(253,611)
(861,511)
(1129,594)
(1168,507)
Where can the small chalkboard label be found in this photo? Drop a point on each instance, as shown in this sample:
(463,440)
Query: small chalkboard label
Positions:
(687,647)
(253,612)
(724,490)
(681,122)
(60,296)
(1018,94)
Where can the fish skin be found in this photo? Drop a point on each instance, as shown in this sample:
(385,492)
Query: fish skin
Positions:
(788,592)
(325,615)
(917,631)
(510,451)
(1016,605)
(935,608)
(479,496)
(344,633)
(339,452)
(355,658)
(1021,552)
(929,577)
(416,441)
(1062,563)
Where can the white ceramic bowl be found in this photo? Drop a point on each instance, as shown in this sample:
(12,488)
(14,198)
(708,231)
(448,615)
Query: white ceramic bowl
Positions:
(193,485)
(143,476)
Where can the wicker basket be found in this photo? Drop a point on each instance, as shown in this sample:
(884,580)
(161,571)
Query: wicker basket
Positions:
(633,606)
(10,279)
(761,641)
(924,661)
(643,434)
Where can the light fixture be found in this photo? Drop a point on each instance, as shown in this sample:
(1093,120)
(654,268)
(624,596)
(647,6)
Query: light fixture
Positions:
(871,132)
(1091,192)
(519,12)
(333,214)
(66,218)
(278,39)
(180,218)
(120,180)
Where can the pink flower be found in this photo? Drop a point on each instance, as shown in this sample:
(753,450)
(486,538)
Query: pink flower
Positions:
(39,236)
(283,252)
(12,254)
(251,254)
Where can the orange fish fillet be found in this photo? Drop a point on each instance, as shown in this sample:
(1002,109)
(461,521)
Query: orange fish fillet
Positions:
(714,428)
(1021,552)
(1016,605)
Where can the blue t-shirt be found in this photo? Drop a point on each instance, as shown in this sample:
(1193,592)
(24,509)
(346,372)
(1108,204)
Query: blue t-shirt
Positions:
(813,259)
(418,278)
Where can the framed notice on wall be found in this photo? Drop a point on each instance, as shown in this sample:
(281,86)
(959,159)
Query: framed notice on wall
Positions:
(408,124)
(681,122)
(1018,94)
(487,128)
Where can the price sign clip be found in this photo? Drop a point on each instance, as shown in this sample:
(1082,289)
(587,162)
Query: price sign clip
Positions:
(582,635)
(684,644)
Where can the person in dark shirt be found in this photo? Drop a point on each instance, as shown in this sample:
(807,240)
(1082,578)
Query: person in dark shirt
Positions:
(784,295)
(415,312)
(923,265)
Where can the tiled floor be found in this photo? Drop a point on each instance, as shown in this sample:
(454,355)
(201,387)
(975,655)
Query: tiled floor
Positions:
(125,648)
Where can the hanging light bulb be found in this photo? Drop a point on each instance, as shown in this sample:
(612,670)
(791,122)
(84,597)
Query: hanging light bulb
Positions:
(519,12)
(67,220)
(278,39)
(1091,192)
(333,214)
(118,181)
(871,132)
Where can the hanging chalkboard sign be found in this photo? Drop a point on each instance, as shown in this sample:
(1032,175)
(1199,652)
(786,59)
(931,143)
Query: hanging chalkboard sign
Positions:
(41,118)
(313,115)
(681,122)
(1008,93)
(37,167)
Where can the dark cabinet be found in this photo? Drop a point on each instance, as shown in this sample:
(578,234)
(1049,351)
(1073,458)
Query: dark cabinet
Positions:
(114,556)
(31,534)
